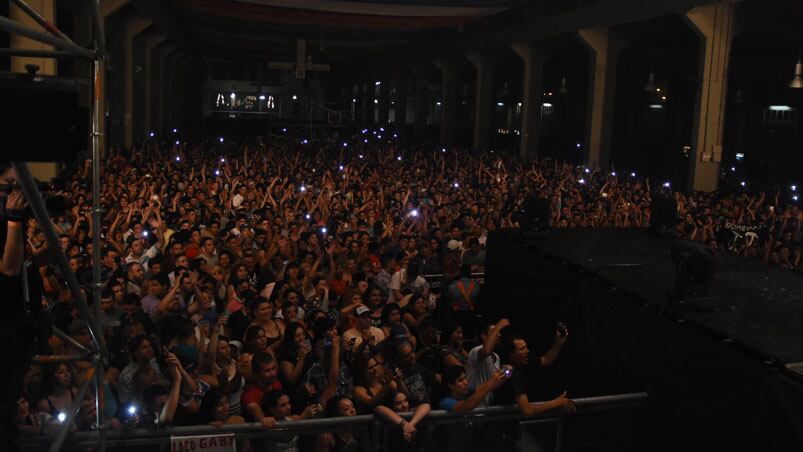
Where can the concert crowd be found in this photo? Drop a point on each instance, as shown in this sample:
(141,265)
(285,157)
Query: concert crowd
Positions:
(268,281)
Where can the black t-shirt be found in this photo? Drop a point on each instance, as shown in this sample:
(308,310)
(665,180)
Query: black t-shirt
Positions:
(419,380)
(238,323)
(517,385)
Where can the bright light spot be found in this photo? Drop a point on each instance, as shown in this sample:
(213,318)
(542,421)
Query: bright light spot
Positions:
(613,173)
(295,97)
(365,140)
(307,216)
(587,171)
(379,137)
(261,97)
(739,156)
(656,106)
(743,183)
(345,145)
(61,417)
(793,187)
(578,145)
(377,83)
(414,213)
(667,184)
(633,174)
(323,230)
(132,410)
(795,198)
(217,172)
(151,134)
(582,181)
(381,129)
(663,97)
(547,104)
(302,188)
(178,158)
(398,158)
(733,169)
(284,130)
(500,104)
(395,136)
(222,160)
(443,150)
(376,101)
(353,101)
(175,130)
(780,108)
(304,141)
(220,139)
(519,104)
(360,155)
(232,95)
(340,167)
(438,104)
(144,233)
(657,90)
(456,185)
(177,143)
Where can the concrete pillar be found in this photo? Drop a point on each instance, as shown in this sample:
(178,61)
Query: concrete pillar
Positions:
(448,101)
(400,82)
(156,104)
(44,171)
(422,75)
(163,98)
(133,26)
(533,56)
(180,89)
(384,101)
(714,23)
(604,48)
(169,83)
(151,81)
(483,99)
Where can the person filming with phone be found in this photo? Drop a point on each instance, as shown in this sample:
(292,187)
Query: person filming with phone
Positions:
(523,373)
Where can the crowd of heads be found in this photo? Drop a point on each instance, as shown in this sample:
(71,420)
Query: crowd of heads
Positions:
(267,281)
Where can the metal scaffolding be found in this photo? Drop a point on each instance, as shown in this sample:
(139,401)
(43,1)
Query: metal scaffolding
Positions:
(97,351)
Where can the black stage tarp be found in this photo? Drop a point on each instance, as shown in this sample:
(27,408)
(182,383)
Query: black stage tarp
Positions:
(703,395)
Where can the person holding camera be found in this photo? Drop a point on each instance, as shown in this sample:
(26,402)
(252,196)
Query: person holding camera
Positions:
(515,391)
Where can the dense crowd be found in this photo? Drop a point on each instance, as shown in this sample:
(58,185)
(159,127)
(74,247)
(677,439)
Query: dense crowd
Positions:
(265,282)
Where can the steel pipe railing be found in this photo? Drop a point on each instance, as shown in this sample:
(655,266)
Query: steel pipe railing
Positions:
(41,20)
(11,26)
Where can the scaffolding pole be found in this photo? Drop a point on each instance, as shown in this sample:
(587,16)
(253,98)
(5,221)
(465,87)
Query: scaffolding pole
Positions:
(99,355)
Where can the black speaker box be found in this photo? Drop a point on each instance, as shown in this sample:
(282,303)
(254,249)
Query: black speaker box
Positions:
(43,122)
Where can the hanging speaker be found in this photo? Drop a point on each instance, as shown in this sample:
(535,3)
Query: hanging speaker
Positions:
(43,120)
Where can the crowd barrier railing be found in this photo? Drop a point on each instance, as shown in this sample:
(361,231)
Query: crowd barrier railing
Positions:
(606,420)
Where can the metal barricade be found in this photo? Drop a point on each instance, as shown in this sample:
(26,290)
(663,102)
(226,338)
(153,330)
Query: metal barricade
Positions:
(607,423)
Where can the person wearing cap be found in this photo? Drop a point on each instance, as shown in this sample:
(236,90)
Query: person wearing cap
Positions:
(452,259)
(363,334)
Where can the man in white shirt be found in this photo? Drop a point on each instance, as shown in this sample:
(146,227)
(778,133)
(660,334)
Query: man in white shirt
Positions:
(483,362)
(363,334)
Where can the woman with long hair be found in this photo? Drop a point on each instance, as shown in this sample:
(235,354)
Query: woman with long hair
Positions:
(399,403)
(254,340)
(392,324)
(374,384)
(294,353)
(61,391)
(263,309)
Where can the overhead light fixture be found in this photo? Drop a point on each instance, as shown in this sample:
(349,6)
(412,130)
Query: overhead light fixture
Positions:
(295,97)
(797,80)
(563,89)
(233,95)
(261,97)
(650,88)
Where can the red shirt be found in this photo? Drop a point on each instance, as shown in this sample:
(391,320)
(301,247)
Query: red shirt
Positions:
(254,393)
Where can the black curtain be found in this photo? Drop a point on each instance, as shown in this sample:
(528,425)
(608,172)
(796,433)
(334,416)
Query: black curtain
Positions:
(702,395)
